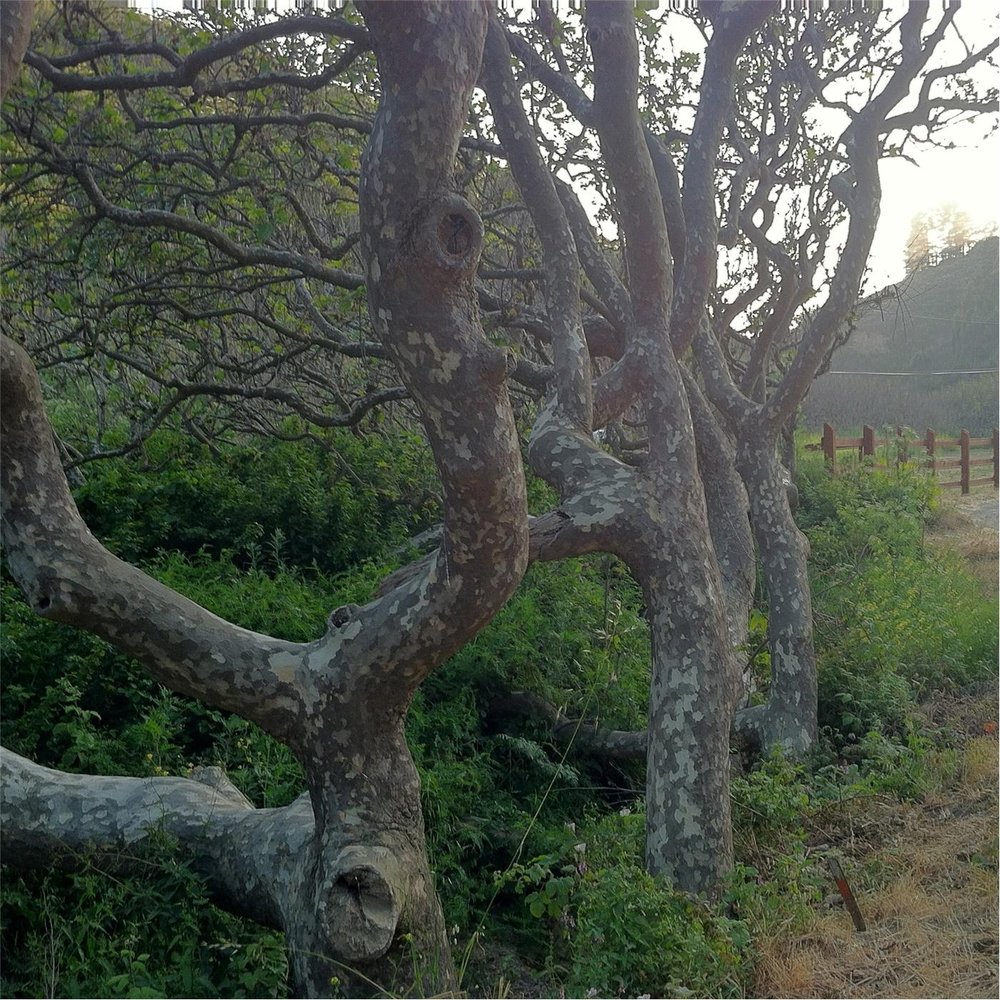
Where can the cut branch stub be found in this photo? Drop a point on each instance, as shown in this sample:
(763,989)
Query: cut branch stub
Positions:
(362,901)
(448,235)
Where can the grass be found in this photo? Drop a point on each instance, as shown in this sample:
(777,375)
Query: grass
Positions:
(932,927)
(925,871)
(907,804)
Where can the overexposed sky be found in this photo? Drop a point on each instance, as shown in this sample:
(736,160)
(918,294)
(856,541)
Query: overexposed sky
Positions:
(966,177)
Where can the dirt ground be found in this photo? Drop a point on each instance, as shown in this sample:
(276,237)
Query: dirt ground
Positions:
(968,525)
(924,873)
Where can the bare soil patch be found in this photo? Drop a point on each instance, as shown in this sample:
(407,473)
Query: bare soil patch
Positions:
(982,506)
(968,525)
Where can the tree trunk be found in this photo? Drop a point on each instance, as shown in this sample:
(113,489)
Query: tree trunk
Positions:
(15,30)
(788,718)
(367,888)
(691,703)
(348,879)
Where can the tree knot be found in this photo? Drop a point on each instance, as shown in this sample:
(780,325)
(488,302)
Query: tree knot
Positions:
(339,617)
(448,234)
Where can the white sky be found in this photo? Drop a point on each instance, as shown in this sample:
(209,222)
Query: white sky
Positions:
(965,177)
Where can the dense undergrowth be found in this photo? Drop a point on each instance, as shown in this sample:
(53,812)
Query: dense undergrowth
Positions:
(537,847)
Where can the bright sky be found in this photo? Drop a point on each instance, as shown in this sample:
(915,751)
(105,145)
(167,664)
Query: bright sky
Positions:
(965,177)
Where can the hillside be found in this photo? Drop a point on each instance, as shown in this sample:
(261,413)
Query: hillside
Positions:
(943,318)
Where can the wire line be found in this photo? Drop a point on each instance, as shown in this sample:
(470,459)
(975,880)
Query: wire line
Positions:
(975,371)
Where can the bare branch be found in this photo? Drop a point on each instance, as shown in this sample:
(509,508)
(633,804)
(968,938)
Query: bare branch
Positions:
(184,72)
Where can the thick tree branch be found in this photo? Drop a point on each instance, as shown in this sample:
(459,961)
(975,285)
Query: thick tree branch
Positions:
(562,268)
(254,861)
(15,31)
(421,247)
(732,27)
(860,189)
(68,576)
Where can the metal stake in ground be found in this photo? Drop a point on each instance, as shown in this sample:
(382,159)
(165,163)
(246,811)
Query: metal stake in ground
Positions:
(845,890)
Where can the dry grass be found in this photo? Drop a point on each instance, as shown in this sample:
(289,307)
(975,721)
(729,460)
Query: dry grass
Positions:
(925,874)
(932,906)
(968,525)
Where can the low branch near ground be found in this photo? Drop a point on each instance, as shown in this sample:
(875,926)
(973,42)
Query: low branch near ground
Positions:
(51,818)
(68,576)
(613,744)
(253,860)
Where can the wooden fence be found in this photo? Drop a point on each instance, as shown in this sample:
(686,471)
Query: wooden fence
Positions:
(899,448)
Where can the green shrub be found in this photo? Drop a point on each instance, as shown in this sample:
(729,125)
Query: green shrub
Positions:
(894,619)
(272,503)
(632,934)
(153,934)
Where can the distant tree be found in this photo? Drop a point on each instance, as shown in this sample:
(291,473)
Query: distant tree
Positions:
(941,234)
(918,244)
(957,231)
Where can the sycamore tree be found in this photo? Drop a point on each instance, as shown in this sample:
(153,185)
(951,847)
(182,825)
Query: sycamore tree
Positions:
(566,217)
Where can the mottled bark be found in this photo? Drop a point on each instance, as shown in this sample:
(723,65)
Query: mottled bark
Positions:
(349,883)
(728,511)
(264,864)
(15,30)
(344,872)
(68,576)
(692,695)
(247,855)
(732,24)
(756,420)
(667,542)
(788,718)
(574,391)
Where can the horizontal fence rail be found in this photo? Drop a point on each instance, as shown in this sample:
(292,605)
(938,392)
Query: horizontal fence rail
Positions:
(900,448)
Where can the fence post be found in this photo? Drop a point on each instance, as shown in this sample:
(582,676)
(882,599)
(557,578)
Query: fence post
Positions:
(963,440)
(829,448)
(929,445)
(867,441)
(996,459)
